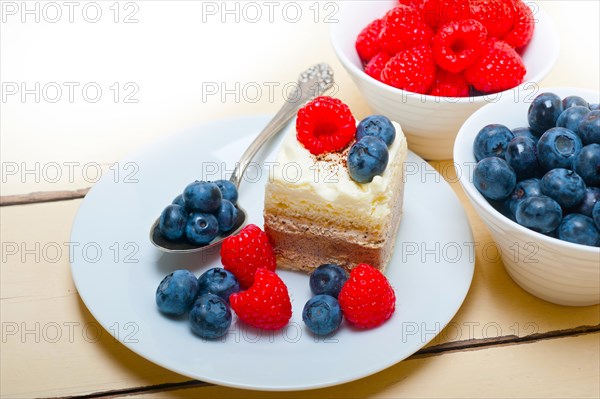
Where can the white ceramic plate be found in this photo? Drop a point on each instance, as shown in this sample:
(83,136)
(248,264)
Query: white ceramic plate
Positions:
(116,270)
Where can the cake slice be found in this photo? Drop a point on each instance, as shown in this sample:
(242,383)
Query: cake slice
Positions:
(315,212)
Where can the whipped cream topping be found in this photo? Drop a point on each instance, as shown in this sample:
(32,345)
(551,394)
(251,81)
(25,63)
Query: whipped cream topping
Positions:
(326,178)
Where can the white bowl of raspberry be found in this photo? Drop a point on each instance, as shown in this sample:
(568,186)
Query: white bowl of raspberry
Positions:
(424,97)
(548,262)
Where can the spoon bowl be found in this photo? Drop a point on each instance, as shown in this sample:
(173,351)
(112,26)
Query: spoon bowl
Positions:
(311,83)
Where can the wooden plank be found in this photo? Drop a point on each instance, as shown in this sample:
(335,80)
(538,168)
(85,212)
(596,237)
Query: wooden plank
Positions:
(555,368)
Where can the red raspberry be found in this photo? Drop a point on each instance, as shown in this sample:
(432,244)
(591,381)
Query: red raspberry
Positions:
(325,124)
(499,68)
(439,12)
(247,251)
(367,42)
(266,304)
(376,65)
(449,85)
(412,70)
(367,298)
(416,4)
(457,45)
(495,15)
(403,28)
(524,24)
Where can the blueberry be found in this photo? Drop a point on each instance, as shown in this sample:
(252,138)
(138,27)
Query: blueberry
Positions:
(228,190)
(218,281)
(544,111)
(579,229)
(574,101)
(589,128)
(557,148)
(226,216)
(201,228)
(179,201)
(203,196)
(491,141)
(596,214)
(586,207)
(526,132)
(176,292)
(328,279)
(172,222)
(540,213)
(322,314)
(494,178)
(378,126)
(571,117)
(524,189)
(564,186)
(521,156)
(210,316)
(594,107)
(368,158)
(587,164)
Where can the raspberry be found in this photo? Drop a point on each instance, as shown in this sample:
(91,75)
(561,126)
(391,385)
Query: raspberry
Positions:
(522,30)
(367,299)
(416,4)
(247,251)
(449,85)
(266,304)
(376,65)
(367,42)
(499,68)
(403,28)
(439,12)
(495,15)
(457,45)
(412,70)
(325,124)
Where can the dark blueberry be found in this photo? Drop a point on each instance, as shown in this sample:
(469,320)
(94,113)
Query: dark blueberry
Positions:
(589,128)
(526,132)
(368,158)
(594,107)
(564,186)
(210,316)
(523,189)
(494,178)
(179,200)
(503,208)
(328,279)
(228,190)
(586,207)
(521,156)
(176,292)
(574,101)
(596,214)
(587,164)
(226,216)
(557,148)
(544,111)
(201,228)
(491,141)
(541,214)
(172,222)
(202,196)
(218,281)
(322,314)
(571,118)
(378,126)
(579,229)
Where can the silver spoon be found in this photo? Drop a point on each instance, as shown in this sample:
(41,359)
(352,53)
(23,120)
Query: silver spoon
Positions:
(311,83)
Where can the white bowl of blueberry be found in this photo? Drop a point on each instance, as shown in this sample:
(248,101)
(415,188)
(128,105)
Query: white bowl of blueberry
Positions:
(532,171)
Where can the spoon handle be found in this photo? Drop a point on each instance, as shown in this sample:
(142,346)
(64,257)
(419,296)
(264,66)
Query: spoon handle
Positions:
(312,83)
